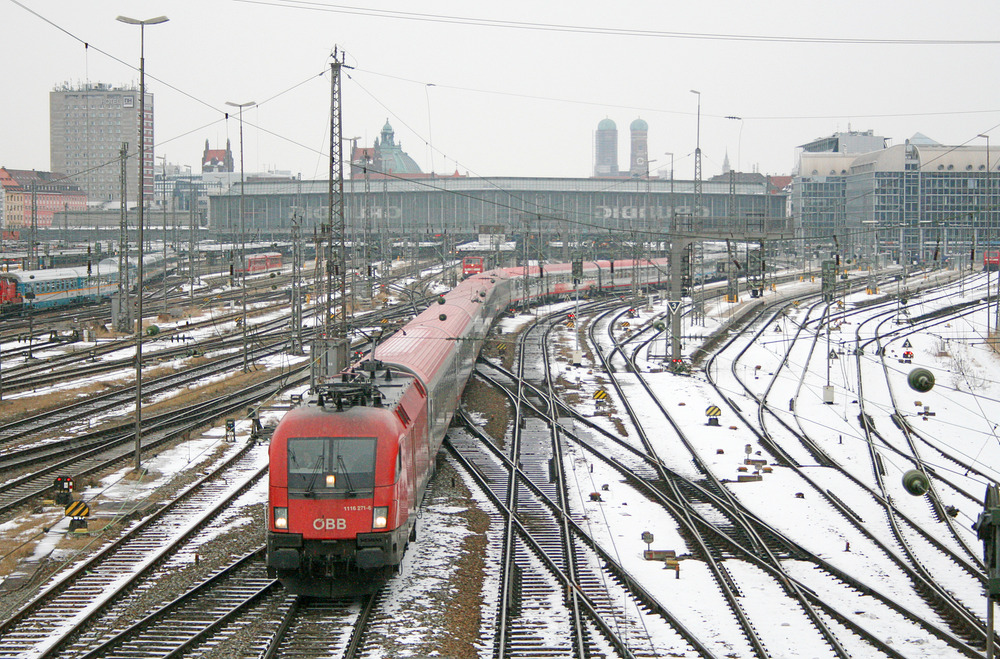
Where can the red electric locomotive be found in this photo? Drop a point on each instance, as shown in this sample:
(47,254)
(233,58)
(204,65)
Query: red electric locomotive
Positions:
(472,265)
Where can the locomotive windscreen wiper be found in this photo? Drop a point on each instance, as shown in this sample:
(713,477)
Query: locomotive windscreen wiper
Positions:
(315,470)
(350,485)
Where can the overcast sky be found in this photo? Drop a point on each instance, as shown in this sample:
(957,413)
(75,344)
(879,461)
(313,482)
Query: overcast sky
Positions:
(513,100)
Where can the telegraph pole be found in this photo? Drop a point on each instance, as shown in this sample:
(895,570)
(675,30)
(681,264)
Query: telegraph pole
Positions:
(124,323)
(191,260)
(33,246)
(296,285)
(163,200)
(242,269)
(367,292)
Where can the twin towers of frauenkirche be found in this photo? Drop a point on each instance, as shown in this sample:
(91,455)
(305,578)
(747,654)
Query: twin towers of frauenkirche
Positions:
(606,150)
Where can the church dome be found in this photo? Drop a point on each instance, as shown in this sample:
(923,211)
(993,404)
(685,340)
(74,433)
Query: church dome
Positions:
(606,124)
(639,124)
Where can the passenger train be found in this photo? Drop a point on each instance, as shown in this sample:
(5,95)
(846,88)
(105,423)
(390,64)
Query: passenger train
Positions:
(44,289)
(349,466)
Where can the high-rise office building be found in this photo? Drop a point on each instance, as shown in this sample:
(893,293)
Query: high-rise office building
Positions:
(87,126)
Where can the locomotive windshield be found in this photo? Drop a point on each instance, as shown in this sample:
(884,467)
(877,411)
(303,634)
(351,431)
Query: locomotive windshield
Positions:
(331,465)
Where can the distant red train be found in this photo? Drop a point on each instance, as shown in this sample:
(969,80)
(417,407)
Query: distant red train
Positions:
(263,262)
(348,467)
(472,265)
(991,260)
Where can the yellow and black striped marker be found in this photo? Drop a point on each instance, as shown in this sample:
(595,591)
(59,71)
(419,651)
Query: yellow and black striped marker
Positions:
(713,410)
(78,509)
(600,394)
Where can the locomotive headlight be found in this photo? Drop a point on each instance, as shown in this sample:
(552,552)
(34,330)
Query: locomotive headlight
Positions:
(280,518)
(331,480)
(381,517)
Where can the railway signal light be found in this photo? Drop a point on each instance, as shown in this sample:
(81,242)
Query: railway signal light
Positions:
(915,482)
(920,379)
(987,529)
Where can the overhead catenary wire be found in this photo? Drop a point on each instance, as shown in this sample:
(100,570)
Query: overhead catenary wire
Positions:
(604,30)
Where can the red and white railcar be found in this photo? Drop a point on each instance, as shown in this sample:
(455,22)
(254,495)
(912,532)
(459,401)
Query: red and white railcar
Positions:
(991,260)
(263,262)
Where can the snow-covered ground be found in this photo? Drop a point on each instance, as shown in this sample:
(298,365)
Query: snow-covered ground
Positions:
(964,401)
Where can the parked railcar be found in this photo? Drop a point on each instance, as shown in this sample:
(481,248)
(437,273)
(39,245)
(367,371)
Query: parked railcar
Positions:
(991,260)
(263,262)
(349,467)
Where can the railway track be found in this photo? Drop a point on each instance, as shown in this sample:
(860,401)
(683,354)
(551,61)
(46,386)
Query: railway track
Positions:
(844,625)
(953,614)
(63,607)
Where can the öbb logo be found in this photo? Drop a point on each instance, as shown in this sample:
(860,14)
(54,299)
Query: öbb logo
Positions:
(329,524)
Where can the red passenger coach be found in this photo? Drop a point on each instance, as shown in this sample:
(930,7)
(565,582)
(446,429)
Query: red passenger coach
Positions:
(348,469)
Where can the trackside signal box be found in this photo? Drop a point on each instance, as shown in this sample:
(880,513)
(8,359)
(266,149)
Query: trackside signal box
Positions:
(63,486)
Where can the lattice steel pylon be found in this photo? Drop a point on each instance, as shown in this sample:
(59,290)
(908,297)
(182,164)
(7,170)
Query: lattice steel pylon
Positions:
(335,321)
(695,256)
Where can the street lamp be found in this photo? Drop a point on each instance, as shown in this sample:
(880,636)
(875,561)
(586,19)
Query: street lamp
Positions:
(739,140)
(672,218)
(243,245)
(142,186)
(430,132)
(697,142)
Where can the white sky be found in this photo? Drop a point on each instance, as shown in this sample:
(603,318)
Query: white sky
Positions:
(506,101)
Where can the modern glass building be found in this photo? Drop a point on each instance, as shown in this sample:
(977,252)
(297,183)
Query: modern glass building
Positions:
(921,203)
(917,202)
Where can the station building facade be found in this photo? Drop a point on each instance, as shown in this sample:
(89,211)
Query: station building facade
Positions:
(564,208)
